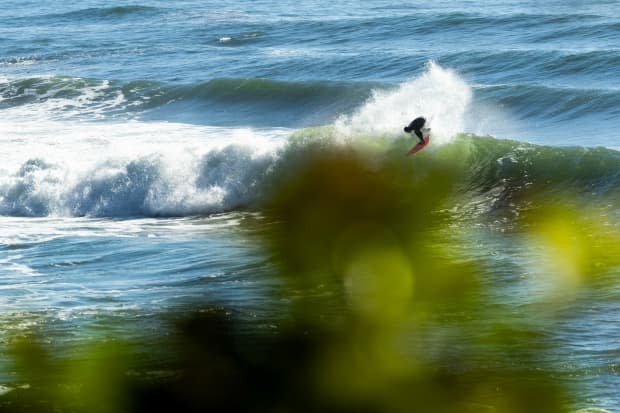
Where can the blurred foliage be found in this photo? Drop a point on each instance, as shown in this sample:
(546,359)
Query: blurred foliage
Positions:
(576,245)
(385,315)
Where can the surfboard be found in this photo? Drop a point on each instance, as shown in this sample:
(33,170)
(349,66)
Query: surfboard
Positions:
(419,146)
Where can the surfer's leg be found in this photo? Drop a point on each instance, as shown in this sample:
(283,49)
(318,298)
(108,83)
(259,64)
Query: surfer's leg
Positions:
(418,133)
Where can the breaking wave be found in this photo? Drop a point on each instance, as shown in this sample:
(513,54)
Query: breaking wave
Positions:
(236,176)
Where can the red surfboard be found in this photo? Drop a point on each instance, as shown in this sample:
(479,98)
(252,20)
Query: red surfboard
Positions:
(419,146)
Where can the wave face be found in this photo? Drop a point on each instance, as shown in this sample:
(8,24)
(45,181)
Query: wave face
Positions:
(503,177)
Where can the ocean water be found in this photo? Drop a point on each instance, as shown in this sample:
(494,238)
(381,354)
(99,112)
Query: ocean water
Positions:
(136,140)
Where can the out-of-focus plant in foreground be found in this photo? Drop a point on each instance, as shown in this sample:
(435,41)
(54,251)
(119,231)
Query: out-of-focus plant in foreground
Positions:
(384,315)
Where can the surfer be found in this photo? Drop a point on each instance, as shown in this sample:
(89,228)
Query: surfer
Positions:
(416,126)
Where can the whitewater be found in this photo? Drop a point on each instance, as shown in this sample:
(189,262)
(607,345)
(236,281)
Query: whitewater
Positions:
(139,146)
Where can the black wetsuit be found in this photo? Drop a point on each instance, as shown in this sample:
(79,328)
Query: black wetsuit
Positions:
(416,125)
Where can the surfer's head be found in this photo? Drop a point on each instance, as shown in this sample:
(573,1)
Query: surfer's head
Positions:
(416,124)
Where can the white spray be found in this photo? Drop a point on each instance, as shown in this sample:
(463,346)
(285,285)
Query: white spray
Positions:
(438,94)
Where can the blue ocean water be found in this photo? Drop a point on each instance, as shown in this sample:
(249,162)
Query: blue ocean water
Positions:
(136,138)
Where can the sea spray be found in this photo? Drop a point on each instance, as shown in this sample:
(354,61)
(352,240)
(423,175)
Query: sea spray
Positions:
(438,94)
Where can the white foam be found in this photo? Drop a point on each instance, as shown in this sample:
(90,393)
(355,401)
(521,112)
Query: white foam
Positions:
(60,101)
(438,94)
(60,168)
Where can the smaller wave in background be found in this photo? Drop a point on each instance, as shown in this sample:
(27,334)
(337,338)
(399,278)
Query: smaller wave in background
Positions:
(359,106)
(95,14)
(218,101)
(451,103)
(559,103)
(574,67)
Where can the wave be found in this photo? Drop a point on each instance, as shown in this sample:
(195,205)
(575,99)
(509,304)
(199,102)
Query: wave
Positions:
(151,185)
(341,28)
(517,65)
(46,88)
(494,174)
(295,102)
(263,102)
(275,95)
(133,168)
(597,31)
(551,102)
(474,21)
(534,27)
(501,177)
(98,13)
